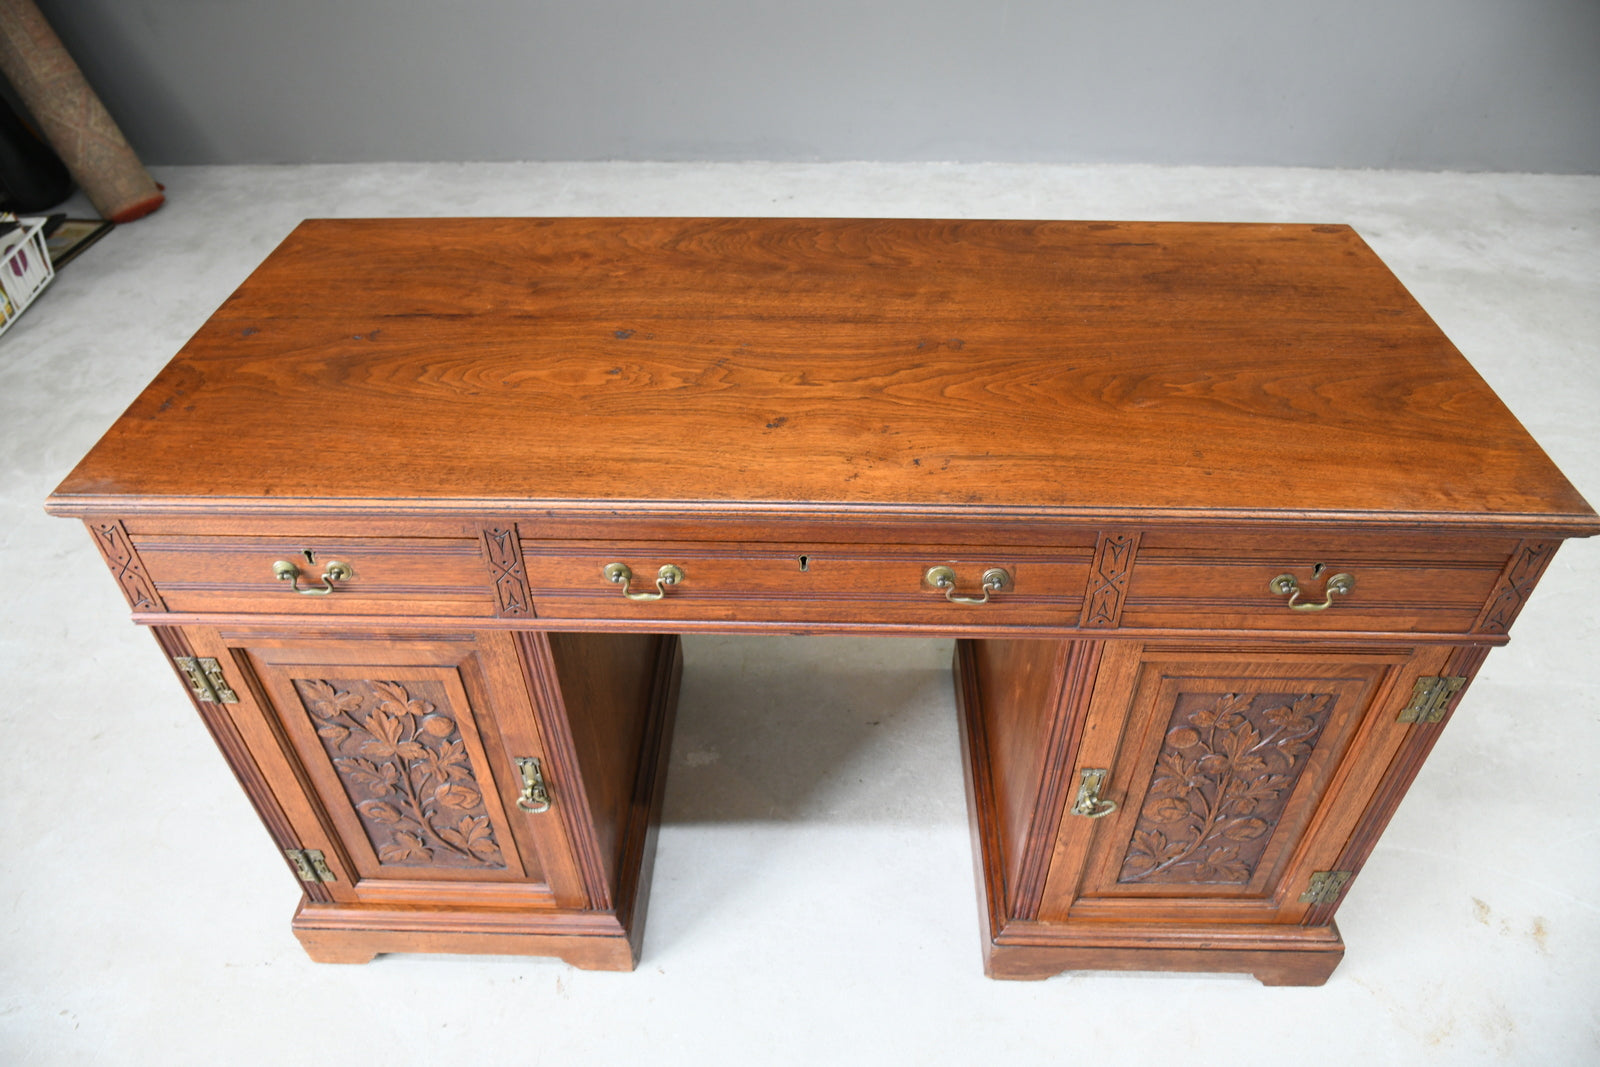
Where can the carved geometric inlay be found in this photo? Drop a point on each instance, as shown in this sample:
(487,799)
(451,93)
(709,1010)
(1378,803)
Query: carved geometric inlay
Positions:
(1108,579)
(112,540)
(1226,769)
(406,771)
(1516,584)
(504,553)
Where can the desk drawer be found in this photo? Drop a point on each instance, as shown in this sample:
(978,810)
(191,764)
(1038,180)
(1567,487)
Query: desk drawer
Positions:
(806,583)
(436,576)
(1406,584)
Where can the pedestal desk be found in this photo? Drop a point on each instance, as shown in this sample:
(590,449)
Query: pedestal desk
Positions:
(1222,522)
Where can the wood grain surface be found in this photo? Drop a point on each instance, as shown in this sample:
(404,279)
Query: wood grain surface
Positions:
(1244,371)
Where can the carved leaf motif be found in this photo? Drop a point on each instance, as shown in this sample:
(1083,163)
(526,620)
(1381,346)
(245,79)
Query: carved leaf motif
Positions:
(328,703)
(1239,740)
(1246,830)
(412,785)
(471,834)
(396,701)
(390,693)
(1227,763)
(1168,809)
(321,697)
(449,761)
(1249,764)
(1222,865)
(457,795)
(406,848)
(381,812)
(383,731)
(369,776)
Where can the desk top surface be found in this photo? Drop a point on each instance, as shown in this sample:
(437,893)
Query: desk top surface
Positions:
(964,367)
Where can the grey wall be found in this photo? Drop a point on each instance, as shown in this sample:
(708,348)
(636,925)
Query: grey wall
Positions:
(1433,84)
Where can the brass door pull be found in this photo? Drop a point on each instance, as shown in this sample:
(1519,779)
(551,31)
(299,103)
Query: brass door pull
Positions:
(1088,802)
(535,796)
(995,579)
(1287,585)
(619,573)
(285,571)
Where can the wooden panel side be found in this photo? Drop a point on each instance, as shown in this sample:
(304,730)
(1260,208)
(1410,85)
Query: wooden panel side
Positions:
(1019,685)
(607,686)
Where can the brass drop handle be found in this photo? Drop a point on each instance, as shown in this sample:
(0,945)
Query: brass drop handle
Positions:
(995,579)
(619,573)
(535,796)
(1088,803)
(335,571)
(1286,585)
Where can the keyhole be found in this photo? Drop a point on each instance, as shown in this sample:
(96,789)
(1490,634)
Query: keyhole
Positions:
(311,557)
(1316,571)
(805,563)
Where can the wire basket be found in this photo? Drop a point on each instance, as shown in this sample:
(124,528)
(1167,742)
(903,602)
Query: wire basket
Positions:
(25,269)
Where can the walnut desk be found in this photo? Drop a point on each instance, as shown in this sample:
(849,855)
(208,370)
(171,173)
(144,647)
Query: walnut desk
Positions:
(1223,523)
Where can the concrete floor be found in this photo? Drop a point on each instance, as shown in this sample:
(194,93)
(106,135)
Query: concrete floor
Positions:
(813,897)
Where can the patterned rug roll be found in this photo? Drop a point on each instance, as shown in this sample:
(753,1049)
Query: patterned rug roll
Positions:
(71,116)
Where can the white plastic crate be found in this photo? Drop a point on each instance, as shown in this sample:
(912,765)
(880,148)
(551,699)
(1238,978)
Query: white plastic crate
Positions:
(25,269)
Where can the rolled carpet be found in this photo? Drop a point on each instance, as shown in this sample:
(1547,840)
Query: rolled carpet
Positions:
(71,116)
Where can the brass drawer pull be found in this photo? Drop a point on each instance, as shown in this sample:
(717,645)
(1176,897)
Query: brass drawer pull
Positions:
(1286,585)
(285,571)
(1088,802)
(995,579)
(535,796)
(671,574)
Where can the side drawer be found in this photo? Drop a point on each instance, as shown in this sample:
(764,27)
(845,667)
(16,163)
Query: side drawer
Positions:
(806,583)
(386,576)
(1404,584)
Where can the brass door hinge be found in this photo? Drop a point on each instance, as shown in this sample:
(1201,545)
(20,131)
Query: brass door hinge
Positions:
(1429,697)
(310,864)
(1325,887)
(205,680)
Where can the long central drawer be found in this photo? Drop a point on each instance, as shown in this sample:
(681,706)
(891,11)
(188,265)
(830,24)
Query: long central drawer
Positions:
(806,583)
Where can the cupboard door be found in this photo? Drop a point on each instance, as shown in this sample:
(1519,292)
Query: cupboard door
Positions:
(1235,776)
(397,756)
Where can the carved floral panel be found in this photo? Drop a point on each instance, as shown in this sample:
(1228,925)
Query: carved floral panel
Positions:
(1224,774)
(406,770)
